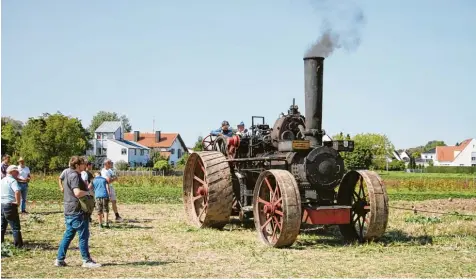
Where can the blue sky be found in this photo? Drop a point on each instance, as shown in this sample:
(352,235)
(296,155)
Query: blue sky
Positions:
(191,64)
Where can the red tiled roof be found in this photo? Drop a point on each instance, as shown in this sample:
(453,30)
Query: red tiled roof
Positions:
(446,153)
(148,139)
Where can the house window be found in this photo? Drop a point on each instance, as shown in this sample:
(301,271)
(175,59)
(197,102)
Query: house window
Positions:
(179,153)
(109,136)
(98,136)
(473,158)
(172,151)
(98,151)
(172,163)
(133,152)
(142,152)
(104,151)
(426,156)
(123,151)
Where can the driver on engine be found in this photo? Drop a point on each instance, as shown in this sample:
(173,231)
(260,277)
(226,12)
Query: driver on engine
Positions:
(241,129)
(224,130)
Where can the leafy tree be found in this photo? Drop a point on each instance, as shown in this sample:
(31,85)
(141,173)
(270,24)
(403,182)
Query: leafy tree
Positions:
(396,165)
(457,144)
(198,144)
(10,139)
(156,156)
(121,165)
(360,158)
(17,124)
(432,144)
(162,165)
(102,116)
(416,154)
(50,140)
(380,146)
(182,161)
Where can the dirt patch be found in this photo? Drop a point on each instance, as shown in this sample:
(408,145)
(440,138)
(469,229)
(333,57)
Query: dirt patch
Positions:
(466,206)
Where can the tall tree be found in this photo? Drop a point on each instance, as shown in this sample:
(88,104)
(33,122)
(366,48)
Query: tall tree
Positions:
(102,116)
(50,140)
(16,124)
(432,144)
(10,138)
(198,144)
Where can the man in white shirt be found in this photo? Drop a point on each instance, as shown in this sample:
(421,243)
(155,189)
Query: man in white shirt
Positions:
(110,176)
(10,199)
(23,180)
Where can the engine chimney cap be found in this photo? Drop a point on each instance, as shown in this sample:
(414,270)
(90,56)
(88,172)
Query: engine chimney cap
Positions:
(313,58)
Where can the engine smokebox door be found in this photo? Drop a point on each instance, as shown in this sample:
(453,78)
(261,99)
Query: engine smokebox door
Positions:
(324,167)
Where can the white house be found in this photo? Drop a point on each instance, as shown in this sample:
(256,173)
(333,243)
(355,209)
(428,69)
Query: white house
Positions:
(463,154)
(109,142)
(170,145)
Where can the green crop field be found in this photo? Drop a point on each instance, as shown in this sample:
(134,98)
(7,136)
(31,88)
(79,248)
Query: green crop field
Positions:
(156,241)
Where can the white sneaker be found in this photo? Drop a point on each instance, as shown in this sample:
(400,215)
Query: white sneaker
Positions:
(90,264)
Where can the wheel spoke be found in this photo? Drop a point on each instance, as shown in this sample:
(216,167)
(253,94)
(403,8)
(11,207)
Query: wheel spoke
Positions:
(264,201)
(278,212)
(278,223)
(200,180)
(203,211)
(266,223)
(278,201)
(195,198)
(269,186)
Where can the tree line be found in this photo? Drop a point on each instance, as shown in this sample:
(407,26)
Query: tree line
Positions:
(48,141)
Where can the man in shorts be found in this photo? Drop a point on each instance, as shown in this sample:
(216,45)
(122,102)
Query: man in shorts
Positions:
(101,194)
(110,177)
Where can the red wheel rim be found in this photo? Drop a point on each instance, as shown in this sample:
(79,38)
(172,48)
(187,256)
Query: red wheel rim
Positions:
(270,209)
(207,142)
(200,191)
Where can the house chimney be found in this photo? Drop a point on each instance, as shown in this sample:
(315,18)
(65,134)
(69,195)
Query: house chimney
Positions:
(157,136)
(136,136)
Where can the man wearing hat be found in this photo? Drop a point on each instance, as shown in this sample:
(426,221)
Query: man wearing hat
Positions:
(241,129)
(224,130)
(23,180)
(10,199)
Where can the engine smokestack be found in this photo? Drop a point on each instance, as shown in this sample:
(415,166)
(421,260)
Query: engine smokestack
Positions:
(313,76)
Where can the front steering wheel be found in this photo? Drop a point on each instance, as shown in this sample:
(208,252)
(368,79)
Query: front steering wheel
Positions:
(207,142)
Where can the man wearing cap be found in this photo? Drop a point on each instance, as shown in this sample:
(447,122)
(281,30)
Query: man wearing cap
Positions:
(224,130)
(23,180)
(241,129)
(10,199)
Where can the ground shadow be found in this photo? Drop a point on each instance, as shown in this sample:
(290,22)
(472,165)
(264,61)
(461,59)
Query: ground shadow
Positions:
(332,237)
(137,220)
(140,263)
(399,236)
(125,226)
(42,245)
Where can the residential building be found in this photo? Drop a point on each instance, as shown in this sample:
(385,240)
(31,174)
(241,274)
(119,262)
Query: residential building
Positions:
(463,154)
(170,145)
(109,142)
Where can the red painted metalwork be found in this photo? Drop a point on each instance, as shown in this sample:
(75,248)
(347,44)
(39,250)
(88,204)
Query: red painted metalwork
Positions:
(326,215)
(233,143)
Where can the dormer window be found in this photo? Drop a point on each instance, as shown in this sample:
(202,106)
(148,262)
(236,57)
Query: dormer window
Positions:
(98,136)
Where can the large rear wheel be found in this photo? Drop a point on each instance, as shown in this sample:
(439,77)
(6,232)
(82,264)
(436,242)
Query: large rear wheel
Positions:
(207,190)
(277,208)
(366,193)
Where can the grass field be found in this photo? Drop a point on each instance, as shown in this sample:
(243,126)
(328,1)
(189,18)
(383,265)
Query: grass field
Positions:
(155,240)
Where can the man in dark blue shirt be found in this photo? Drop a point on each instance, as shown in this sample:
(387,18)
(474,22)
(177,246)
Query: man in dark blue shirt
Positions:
(102,194)
(224,130)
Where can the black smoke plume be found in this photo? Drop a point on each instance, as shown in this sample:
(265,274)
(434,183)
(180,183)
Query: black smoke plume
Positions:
(342,22)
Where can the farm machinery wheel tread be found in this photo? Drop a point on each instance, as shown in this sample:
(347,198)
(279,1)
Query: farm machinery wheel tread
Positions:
(207,190)
(277,208)
(369,213)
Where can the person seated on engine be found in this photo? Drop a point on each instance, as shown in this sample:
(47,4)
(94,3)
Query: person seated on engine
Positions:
(224,130)
(241,129)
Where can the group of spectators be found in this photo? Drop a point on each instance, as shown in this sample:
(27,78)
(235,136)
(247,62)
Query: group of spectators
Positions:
(78,186)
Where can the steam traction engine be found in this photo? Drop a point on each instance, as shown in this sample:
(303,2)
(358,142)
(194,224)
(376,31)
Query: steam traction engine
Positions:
(285,176)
